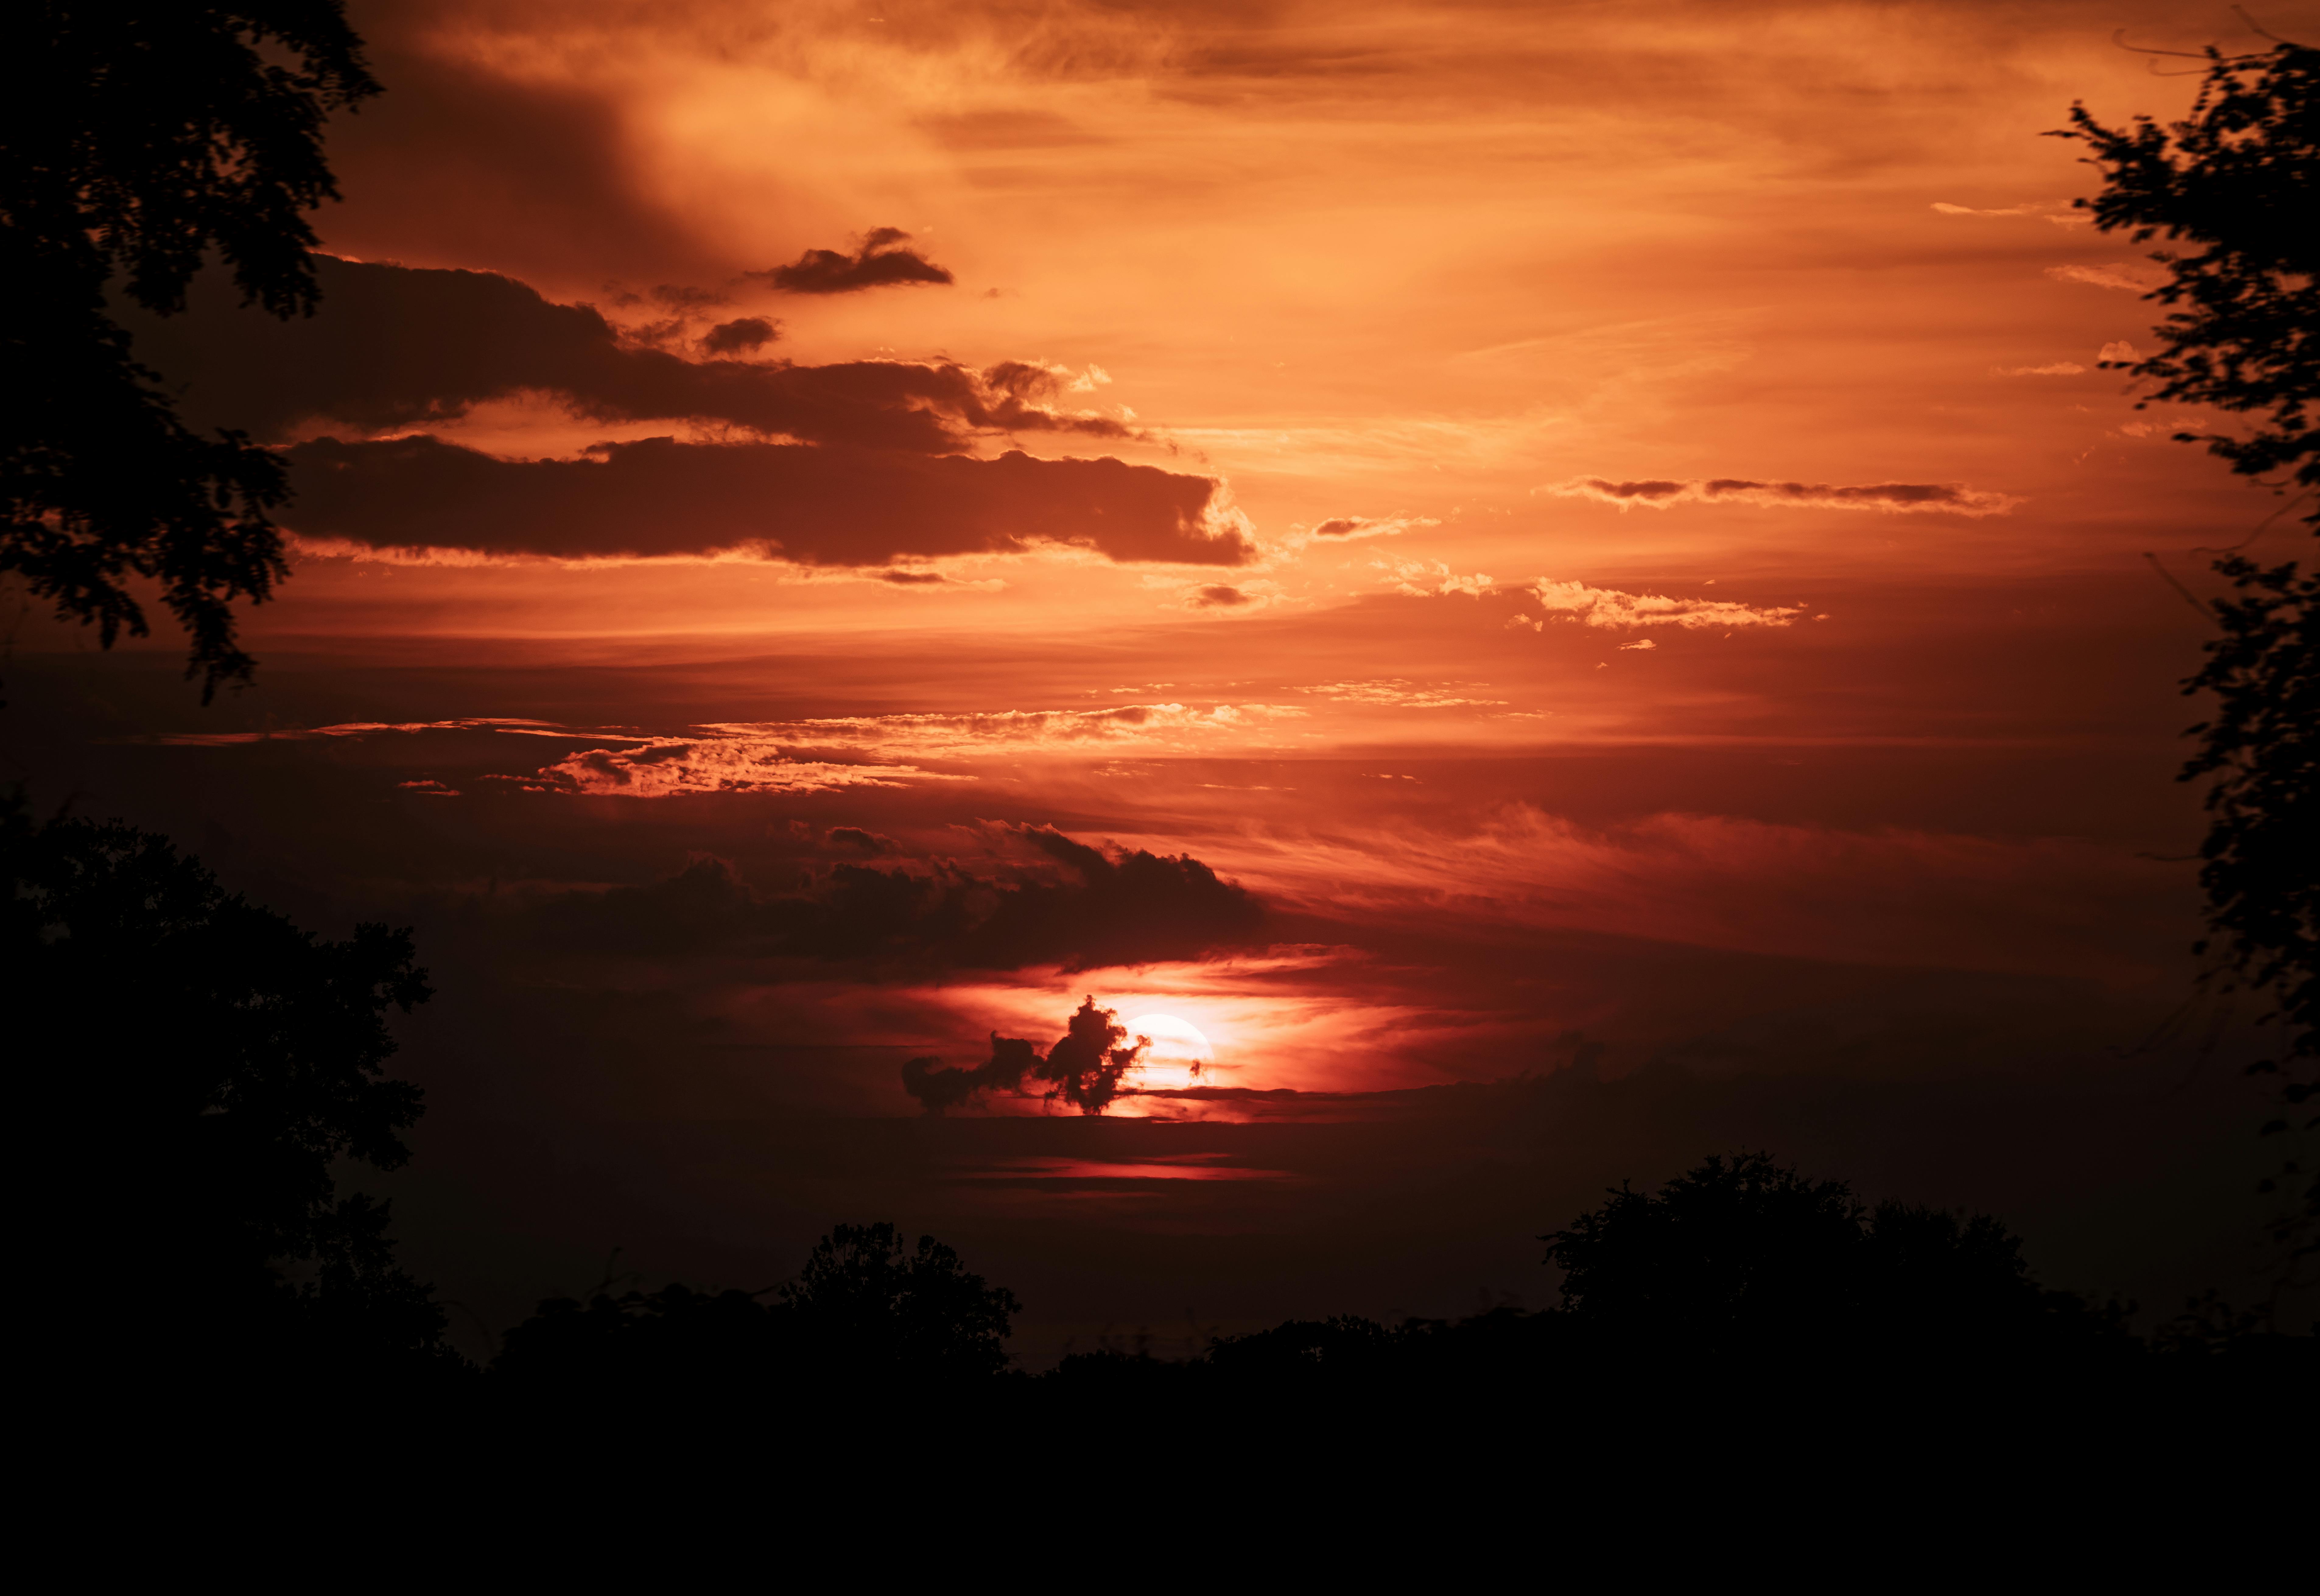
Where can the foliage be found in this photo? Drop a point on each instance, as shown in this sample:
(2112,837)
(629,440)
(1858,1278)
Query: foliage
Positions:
(1744,1256)
(865,1311)
(2238,181)
(137,136)
(198,1065)
(863,1299)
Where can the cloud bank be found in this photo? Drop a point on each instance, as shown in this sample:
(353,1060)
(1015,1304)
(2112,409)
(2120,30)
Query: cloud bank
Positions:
(395,347)
(816,506)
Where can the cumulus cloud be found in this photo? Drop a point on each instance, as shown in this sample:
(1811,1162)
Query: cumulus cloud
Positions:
(1217,597)
(2119,350)
(877,262)
(395,347)
(1892,498)
(836,506)
(1609,608)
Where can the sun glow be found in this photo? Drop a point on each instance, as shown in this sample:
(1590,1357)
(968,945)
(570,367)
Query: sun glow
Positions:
(1175,1055)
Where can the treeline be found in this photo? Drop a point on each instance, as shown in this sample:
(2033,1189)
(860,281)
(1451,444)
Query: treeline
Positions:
(203,1069)
(1738,1272)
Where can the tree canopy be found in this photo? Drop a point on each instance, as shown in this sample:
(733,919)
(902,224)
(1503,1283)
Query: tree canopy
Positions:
(2232,190)
(197,1067)
(139,138)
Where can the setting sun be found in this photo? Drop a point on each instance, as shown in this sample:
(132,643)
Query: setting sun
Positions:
(1176,1054)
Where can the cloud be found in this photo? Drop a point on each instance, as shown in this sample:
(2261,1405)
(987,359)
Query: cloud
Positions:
(1088,1066)
(1641,643)
(675,767)
(974,735)
(1349,527)
(2127,279)
(741,336)
(814,507)
(1399,693)
(2120,350)
(395,347)
(1610,608)
(1217,597)
(1420,579)
(1949,210)
(1892,498)
(1047,900)
(875,263)
(2059,368)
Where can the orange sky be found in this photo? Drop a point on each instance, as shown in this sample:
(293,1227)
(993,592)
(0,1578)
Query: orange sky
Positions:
(1629,547)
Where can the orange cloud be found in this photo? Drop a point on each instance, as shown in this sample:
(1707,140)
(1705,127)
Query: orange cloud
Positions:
(1891,498)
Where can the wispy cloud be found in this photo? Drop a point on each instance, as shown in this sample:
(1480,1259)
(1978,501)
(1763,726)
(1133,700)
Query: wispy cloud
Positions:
(1891,498)
(1423,579)
(969,735)
(2127,279)
(1610,608)
(1401,694)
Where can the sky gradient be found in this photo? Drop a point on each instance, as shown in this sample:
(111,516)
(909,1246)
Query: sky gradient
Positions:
(1564,582)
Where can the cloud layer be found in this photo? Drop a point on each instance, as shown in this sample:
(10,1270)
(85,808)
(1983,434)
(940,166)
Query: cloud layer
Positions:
(395,346)
(823,506)
(1892,498)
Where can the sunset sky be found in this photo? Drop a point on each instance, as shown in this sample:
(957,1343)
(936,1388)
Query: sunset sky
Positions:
(1600,528)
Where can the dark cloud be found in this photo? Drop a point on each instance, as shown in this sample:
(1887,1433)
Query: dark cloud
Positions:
(459,162)
(812,505)
(1891,497)
(1218,597)
(1070,905)
(913,579)
(395,346)
(875,263)
(1086,1067)
(855,840)
(739,336)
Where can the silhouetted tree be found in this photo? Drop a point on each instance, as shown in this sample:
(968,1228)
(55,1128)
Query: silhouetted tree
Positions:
(191,1068)
(137,137)
(866,1302)
(865,1315)
(1742,1257)
(2236,185)
(675,1341)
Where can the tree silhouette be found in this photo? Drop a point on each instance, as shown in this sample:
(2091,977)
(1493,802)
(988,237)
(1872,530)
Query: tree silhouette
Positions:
(867,1314)
(196,1066)
(1742,1257)
(863,1302)
(137,136)
(2238,181)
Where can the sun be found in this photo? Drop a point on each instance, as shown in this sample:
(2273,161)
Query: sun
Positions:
(1176,1055)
